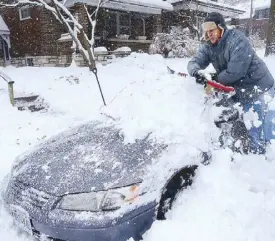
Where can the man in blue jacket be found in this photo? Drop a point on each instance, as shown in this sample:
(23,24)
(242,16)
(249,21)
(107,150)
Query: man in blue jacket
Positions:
(237,65)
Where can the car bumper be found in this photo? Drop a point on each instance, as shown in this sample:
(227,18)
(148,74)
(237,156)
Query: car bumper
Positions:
(131,225)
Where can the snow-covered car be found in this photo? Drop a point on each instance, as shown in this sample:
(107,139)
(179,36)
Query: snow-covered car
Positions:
(87,184)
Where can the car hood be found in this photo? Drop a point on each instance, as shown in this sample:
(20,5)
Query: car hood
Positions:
(90,157)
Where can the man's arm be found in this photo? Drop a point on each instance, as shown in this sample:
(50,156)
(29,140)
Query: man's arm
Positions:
(200,61)
(241,54)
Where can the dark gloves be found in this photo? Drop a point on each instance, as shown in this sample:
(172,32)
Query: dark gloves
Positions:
(214,76)
(200,79)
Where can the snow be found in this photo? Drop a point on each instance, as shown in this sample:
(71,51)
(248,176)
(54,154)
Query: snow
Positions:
(262,4)
(148,3)
(65,37)
(246,7)
(3,26)
(100,50)
(229,200)
(219,3)
(257,5)
(154,3)
(123,49)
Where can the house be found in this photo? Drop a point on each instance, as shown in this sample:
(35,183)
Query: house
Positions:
(33,35)
(38,39)
(191,13)
(260,18)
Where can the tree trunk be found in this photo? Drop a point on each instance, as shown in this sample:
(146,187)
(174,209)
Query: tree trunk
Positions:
(270,42)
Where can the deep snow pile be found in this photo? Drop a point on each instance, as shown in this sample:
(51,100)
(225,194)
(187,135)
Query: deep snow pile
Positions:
(228,201)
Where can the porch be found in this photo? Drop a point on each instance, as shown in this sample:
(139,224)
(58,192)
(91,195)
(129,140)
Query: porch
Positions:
(135,30)
(4,42)
(120,24)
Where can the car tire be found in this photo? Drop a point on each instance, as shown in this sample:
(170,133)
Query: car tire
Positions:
(178,182)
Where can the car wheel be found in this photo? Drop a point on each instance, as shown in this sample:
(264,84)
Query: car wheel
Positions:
(178,182)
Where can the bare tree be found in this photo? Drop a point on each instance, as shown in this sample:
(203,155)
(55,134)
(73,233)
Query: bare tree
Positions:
(270,42)
(84,45)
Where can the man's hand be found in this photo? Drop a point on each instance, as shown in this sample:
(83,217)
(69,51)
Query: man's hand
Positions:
(200,79)
(214,76)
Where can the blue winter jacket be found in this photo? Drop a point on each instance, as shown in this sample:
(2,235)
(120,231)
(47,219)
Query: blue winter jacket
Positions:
(236,64)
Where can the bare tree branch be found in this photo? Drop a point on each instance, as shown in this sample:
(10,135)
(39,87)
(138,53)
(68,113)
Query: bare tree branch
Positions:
(21,2)
(61,12)
(71,31)
(92,19)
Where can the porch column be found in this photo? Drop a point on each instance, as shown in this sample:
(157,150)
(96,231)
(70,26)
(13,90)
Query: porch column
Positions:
(6,47)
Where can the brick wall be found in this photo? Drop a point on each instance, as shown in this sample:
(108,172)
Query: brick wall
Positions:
(26,34)
(82,16)
(64,48)
(47,61)
(51,30)
(36,36)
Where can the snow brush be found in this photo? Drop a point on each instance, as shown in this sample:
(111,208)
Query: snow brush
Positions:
(211,83)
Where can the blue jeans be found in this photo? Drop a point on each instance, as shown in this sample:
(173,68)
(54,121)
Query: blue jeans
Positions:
(260,122)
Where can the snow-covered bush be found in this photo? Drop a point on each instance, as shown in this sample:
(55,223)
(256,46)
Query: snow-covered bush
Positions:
(177,43)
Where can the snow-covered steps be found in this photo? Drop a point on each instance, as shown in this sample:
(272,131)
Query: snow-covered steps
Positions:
(33,103)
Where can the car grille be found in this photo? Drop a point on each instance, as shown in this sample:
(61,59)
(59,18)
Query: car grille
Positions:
(24,194)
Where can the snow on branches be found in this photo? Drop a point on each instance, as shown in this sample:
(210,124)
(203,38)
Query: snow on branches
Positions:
(177,43)
(75,29)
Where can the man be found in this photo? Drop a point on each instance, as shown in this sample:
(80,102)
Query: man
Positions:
(237,65)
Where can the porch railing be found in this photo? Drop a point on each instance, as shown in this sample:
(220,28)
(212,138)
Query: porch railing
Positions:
(10,86)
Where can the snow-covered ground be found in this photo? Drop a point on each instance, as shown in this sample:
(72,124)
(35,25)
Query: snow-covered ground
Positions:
(228,200)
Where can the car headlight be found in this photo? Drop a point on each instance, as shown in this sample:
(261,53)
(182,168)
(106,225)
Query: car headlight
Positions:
(99,201)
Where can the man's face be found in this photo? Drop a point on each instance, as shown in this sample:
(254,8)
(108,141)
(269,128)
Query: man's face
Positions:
(214,35)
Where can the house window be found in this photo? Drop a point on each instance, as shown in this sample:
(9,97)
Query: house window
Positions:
(117,24)
(262,13)
(124,23)
(24,13)
(111,25)
(267,11)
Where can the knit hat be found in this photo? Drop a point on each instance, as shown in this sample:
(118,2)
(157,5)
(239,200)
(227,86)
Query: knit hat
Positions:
(212,21)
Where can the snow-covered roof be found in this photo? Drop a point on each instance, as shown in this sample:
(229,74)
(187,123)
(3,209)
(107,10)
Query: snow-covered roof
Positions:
(142,6)
(246,7)
(262,4)
(207,6)
(221,4)
(3,26)
(257,5)
(152,3)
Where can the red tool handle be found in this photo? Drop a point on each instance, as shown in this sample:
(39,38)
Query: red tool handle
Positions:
(213,84)
(220,86)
